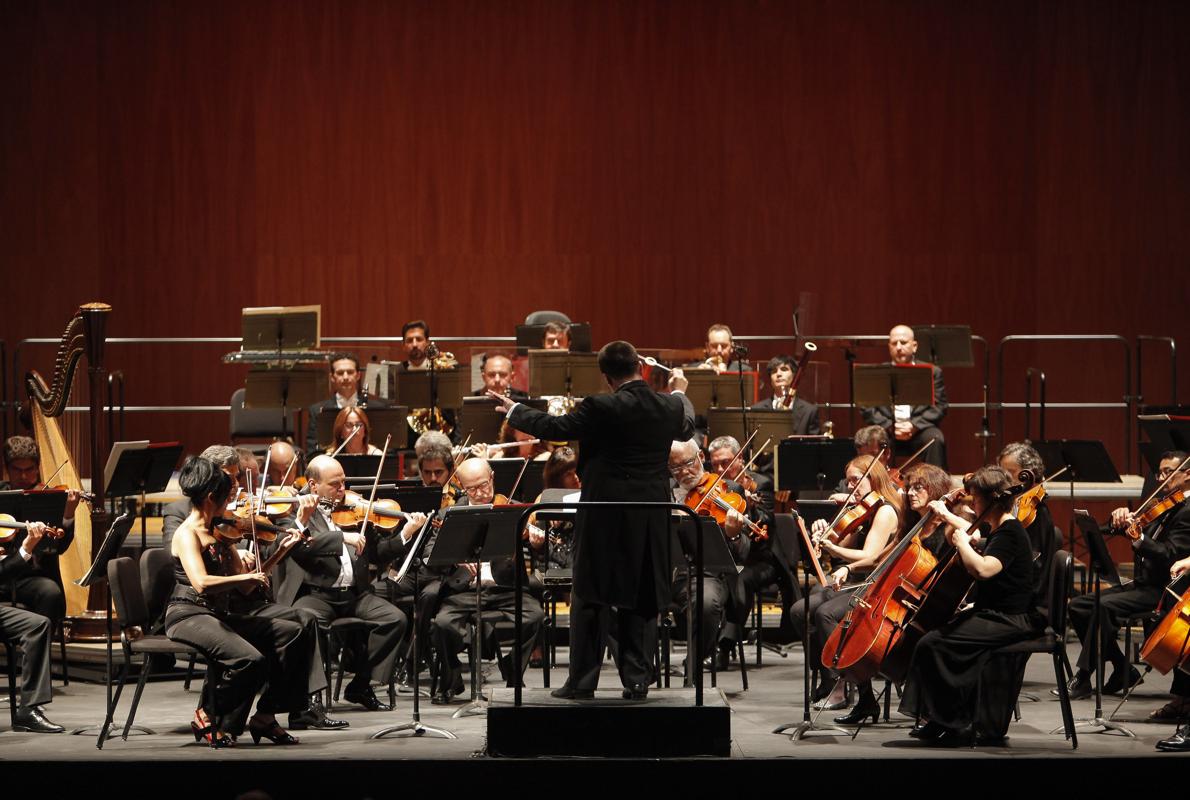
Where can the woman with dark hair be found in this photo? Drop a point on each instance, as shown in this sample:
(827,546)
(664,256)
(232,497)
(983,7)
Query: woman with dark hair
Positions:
(925,483)
(349,420)
(940,691)
(245,652)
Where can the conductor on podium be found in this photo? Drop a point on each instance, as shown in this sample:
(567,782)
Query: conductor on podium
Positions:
(621,561)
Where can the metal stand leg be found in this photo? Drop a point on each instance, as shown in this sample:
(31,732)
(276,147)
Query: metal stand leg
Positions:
(1099,723)
(478,704)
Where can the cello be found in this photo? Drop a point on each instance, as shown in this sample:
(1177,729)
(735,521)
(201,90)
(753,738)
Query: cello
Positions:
(1169,644)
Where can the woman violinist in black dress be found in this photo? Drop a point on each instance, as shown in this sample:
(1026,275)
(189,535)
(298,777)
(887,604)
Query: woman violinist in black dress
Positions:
(946,665)
(245,652)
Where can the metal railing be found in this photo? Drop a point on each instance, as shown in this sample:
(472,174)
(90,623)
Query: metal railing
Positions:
(1173,367)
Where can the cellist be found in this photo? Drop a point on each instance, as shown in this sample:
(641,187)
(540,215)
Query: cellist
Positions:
(857,552)
(1179,707)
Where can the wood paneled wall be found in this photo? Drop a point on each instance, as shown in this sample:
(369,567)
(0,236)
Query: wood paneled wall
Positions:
(648,166)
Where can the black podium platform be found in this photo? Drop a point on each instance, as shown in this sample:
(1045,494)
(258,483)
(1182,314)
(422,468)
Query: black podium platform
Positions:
(666,725)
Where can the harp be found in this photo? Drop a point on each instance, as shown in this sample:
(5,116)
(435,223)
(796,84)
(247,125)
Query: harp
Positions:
(85,335)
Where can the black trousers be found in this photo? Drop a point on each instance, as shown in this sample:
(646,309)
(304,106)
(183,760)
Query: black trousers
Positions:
(827,609)
(41,595)
(377,653)
(631,634)
(936,455)
(246,654)
(449,627)
(717,601)
(312,661)
(1116,604)
(32,630)
(429,596)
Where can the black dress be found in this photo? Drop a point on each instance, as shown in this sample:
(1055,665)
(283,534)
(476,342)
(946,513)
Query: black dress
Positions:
(949,661)
(245,652)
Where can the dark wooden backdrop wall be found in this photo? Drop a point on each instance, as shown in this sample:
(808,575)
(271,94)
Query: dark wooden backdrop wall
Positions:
(652,167)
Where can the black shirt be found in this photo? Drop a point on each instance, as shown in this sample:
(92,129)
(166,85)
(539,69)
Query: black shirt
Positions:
(1009,591)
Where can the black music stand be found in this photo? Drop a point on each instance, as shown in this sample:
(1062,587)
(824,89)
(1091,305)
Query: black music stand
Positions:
(387,421)
(1165,431)
(562,373)
(532,482)
(423,499)
(945,345)
(806,463)
(281,328)
(892,385)
(430,388)
(709,389)
(362,466)
(283,389)
(109,549)
(413,561)
(505,472)
(481,420)
(140,468)
(48,506)
(1102,566)
(717,561)
(476,534)
(532,337)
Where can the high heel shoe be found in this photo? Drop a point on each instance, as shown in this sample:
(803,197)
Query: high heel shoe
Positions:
(204,730)
(273,732)
(866,707)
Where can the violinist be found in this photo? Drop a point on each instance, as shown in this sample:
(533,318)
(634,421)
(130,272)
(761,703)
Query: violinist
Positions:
(805,415)
(856,553)
(283,471)
(498,373)
(350,420)
(947,663)
(332,581)
(720,606)
(32,631)
(912,427)
(38,585)
(497,595)
(870,440)
(249,467)
(1017,456)
(1162,542)
(251,652)
(561,472)
(349,390)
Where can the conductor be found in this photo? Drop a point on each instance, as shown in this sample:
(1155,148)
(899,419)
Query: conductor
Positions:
(621,559)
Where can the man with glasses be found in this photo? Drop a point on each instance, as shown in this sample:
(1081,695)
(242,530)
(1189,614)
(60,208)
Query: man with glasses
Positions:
(1163,541)
(497,596)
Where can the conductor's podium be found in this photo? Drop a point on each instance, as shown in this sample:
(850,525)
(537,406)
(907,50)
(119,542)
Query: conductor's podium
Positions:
(666,725)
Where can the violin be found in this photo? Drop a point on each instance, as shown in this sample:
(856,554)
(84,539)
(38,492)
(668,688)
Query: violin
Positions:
(712,499)
(233,530)
(90,498)
(1025,507)
(1137,524)
(353,509)
(854,515)
(278,500)
(9,525)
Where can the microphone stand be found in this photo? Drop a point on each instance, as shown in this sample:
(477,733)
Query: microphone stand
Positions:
(741,354)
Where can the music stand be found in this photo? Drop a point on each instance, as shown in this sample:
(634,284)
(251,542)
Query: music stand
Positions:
(436,388)
(710,389)
(532,482)
(413,560)
(474,534)
(741,422)
(1101,565)
(97,574)
(805,463)
(390,420)
(39,505)
(532,337)
(505,471)
(362,466)
(717,562)
(561,373)
(892,385)
(423,499)
(140,468)
(481,420)
(283,389)
(281,328)
(945,345)
(1165,432)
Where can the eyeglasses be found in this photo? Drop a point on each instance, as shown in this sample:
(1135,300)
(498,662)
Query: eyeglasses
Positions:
(1162,474)
(477,488)
(684,466)
(917,487)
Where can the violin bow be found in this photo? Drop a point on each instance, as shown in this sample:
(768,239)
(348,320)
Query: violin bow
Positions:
(1157,491)
(284,477)
(363,528)
(756,455)
(517,482)
(851,495)
(917,455)
(339,449)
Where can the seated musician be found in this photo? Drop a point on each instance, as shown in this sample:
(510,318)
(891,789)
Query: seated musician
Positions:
(260,602)
(767,561)
(1017,456)
(1178,709)
(805,414)
(346,379)
(32,631)
(1163,541)
(912,427)
(719,616)
(497,373)
(249,467)
(37,583)
(435,458)
(497,596)
(350,420)
(416,335)
(856,554)
(870,440)
(333,581)
(557,336)
(251,652)
(561,472)
(948,662)
(284,465)
(925,483)
(720,350)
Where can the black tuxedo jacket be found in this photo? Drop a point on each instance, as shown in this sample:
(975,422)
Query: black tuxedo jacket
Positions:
(920,416)
(45,555)
(624,441)
(1166,540)
(805,415)
(514,393)
(330,404)
(315,562)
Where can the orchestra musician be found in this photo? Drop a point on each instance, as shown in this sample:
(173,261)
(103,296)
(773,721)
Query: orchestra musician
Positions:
(925,483)
(349,420)
(561,472)
(497,595)
(557,336)
(870,440)
(249,467)
(805,414)
(1017,456)
(333,581)
(719,349)
(623,562)
(252,652)
(346,379)
(282,469)
(416,336)
(32,631)
(720,611)
(498,372)
(36,583)
(912,427)
(940,692)
(435,458)
(1178,709)
(1163,541)
(857,554)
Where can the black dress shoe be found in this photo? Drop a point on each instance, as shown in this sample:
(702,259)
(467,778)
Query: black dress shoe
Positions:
(315,718)
(866,707)
(1117,683)
(1178,743)
(1078,688)
(723,661)
(568,692)
(32,719)
(637,691)
(364,697)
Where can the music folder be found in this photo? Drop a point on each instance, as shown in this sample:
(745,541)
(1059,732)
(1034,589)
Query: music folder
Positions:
(879,385)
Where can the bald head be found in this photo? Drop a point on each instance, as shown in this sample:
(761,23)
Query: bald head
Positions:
(326,479)
(497,374)
(902,346)
(281,466)
(475,476)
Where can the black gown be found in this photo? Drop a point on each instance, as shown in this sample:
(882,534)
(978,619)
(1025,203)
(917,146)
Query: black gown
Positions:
(947,662)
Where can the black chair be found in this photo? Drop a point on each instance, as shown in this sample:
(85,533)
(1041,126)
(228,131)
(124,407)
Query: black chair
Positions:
(254,423)
(334,636)
(10,649)
(1053,639)
(543,317)
(127,597)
